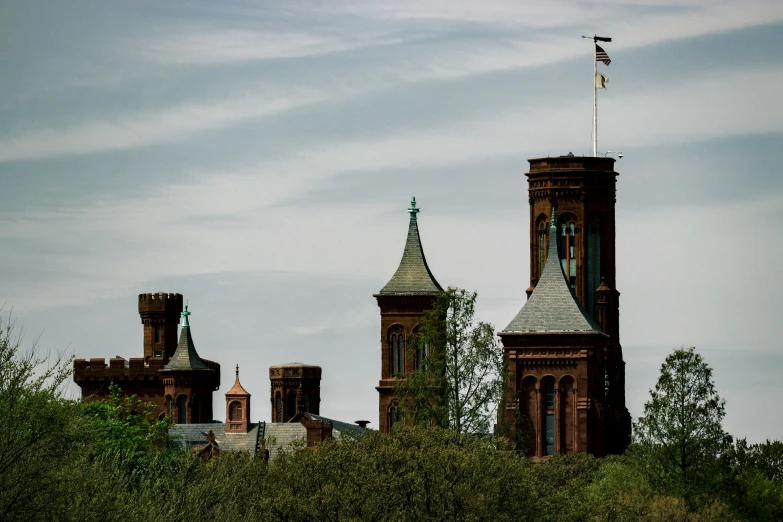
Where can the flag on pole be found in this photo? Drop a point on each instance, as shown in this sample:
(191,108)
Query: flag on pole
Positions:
(600,81)
(601,56)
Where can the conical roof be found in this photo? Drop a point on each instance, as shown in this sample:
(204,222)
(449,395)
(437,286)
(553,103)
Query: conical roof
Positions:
(413,276)
(552,307)
(185,356)
(237,389)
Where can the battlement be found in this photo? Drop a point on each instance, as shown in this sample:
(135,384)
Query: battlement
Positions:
(571,163)
(96,369)
(160,302)
(295,371)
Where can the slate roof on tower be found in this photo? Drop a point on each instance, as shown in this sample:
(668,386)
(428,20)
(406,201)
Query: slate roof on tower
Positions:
(185,356)
(552,307)
(413,276)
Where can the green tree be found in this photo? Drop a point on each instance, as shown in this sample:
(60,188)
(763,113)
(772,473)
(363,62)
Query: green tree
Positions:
(36,426)
(680,435)
(459,380)
(126,427)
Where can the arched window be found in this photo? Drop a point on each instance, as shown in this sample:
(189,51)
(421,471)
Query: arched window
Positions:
(593,264)
(567,248)
(195,408)
(397,349)
(541,231)
(290,405)
(235,411)
(549,416)
(422,350)
(278,407)
(182,407)
(395,415)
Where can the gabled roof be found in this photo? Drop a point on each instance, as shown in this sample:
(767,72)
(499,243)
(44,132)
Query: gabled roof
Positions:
(185,356)
(413,276)
(552,307)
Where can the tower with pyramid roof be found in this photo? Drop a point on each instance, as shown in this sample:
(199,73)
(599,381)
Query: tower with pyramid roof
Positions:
(404,300)
(189,381)
(566,382)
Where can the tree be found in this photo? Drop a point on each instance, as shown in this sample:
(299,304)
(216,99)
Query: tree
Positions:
(680,436)
(36,426)
(459,377)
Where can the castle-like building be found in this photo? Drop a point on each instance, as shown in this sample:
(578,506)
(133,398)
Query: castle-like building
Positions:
(566,374)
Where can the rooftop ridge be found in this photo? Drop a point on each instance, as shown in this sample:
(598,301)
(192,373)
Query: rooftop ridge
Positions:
(413,276)
(552,307)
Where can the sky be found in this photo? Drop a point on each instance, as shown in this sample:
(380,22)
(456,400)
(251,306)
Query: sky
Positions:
(259,158)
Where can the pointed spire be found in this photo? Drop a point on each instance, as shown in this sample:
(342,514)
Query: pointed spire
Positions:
(185,357)
(413,276)
(552,307)
(237,389)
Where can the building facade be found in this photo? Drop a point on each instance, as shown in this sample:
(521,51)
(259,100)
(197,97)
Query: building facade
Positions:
(171,376)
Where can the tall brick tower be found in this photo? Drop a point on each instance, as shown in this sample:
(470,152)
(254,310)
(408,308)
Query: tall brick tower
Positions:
(289,379)
(410,292)
(160,314)
(189,381)
(563,348)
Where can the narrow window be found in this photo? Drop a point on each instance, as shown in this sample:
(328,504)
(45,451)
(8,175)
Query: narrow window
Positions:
(169,406)
(549,417)
(235,411)
(157,333)
(542,245)
(278,407)
(182,406)
(290,406)
(307,402)
(395,415)
(396,347)
(567,251)
(593,264)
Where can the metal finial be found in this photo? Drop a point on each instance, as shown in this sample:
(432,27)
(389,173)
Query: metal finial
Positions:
(185,314)
(237,372)
(413,210)
(553,221)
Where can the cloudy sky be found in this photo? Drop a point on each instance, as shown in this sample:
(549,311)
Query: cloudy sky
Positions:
(258,157)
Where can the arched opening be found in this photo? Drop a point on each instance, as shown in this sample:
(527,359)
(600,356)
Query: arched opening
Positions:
(526,431)
(593,263)
(395,415)
(567,415)
(397,351)
(290,405)
(235,411)
(182,409)
(542,228)
(422,349)
(278,407)
(566,246)
(548,410)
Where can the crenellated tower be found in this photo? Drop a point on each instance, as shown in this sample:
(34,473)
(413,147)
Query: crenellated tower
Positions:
(292,379)
(160,314)
(408,295)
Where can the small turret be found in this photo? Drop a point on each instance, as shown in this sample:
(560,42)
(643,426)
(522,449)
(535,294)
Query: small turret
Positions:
(160,314)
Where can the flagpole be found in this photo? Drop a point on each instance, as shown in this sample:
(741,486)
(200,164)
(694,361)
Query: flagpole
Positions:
(596,39)
(595,104)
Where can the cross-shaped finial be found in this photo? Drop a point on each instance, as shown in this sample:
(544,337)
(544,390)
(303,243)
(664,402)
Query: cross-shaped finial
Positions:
(413,210)
(185,314)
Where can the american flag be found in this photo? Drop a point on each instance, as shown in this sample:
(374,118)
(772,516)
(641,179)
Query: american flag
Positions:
(601,56)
